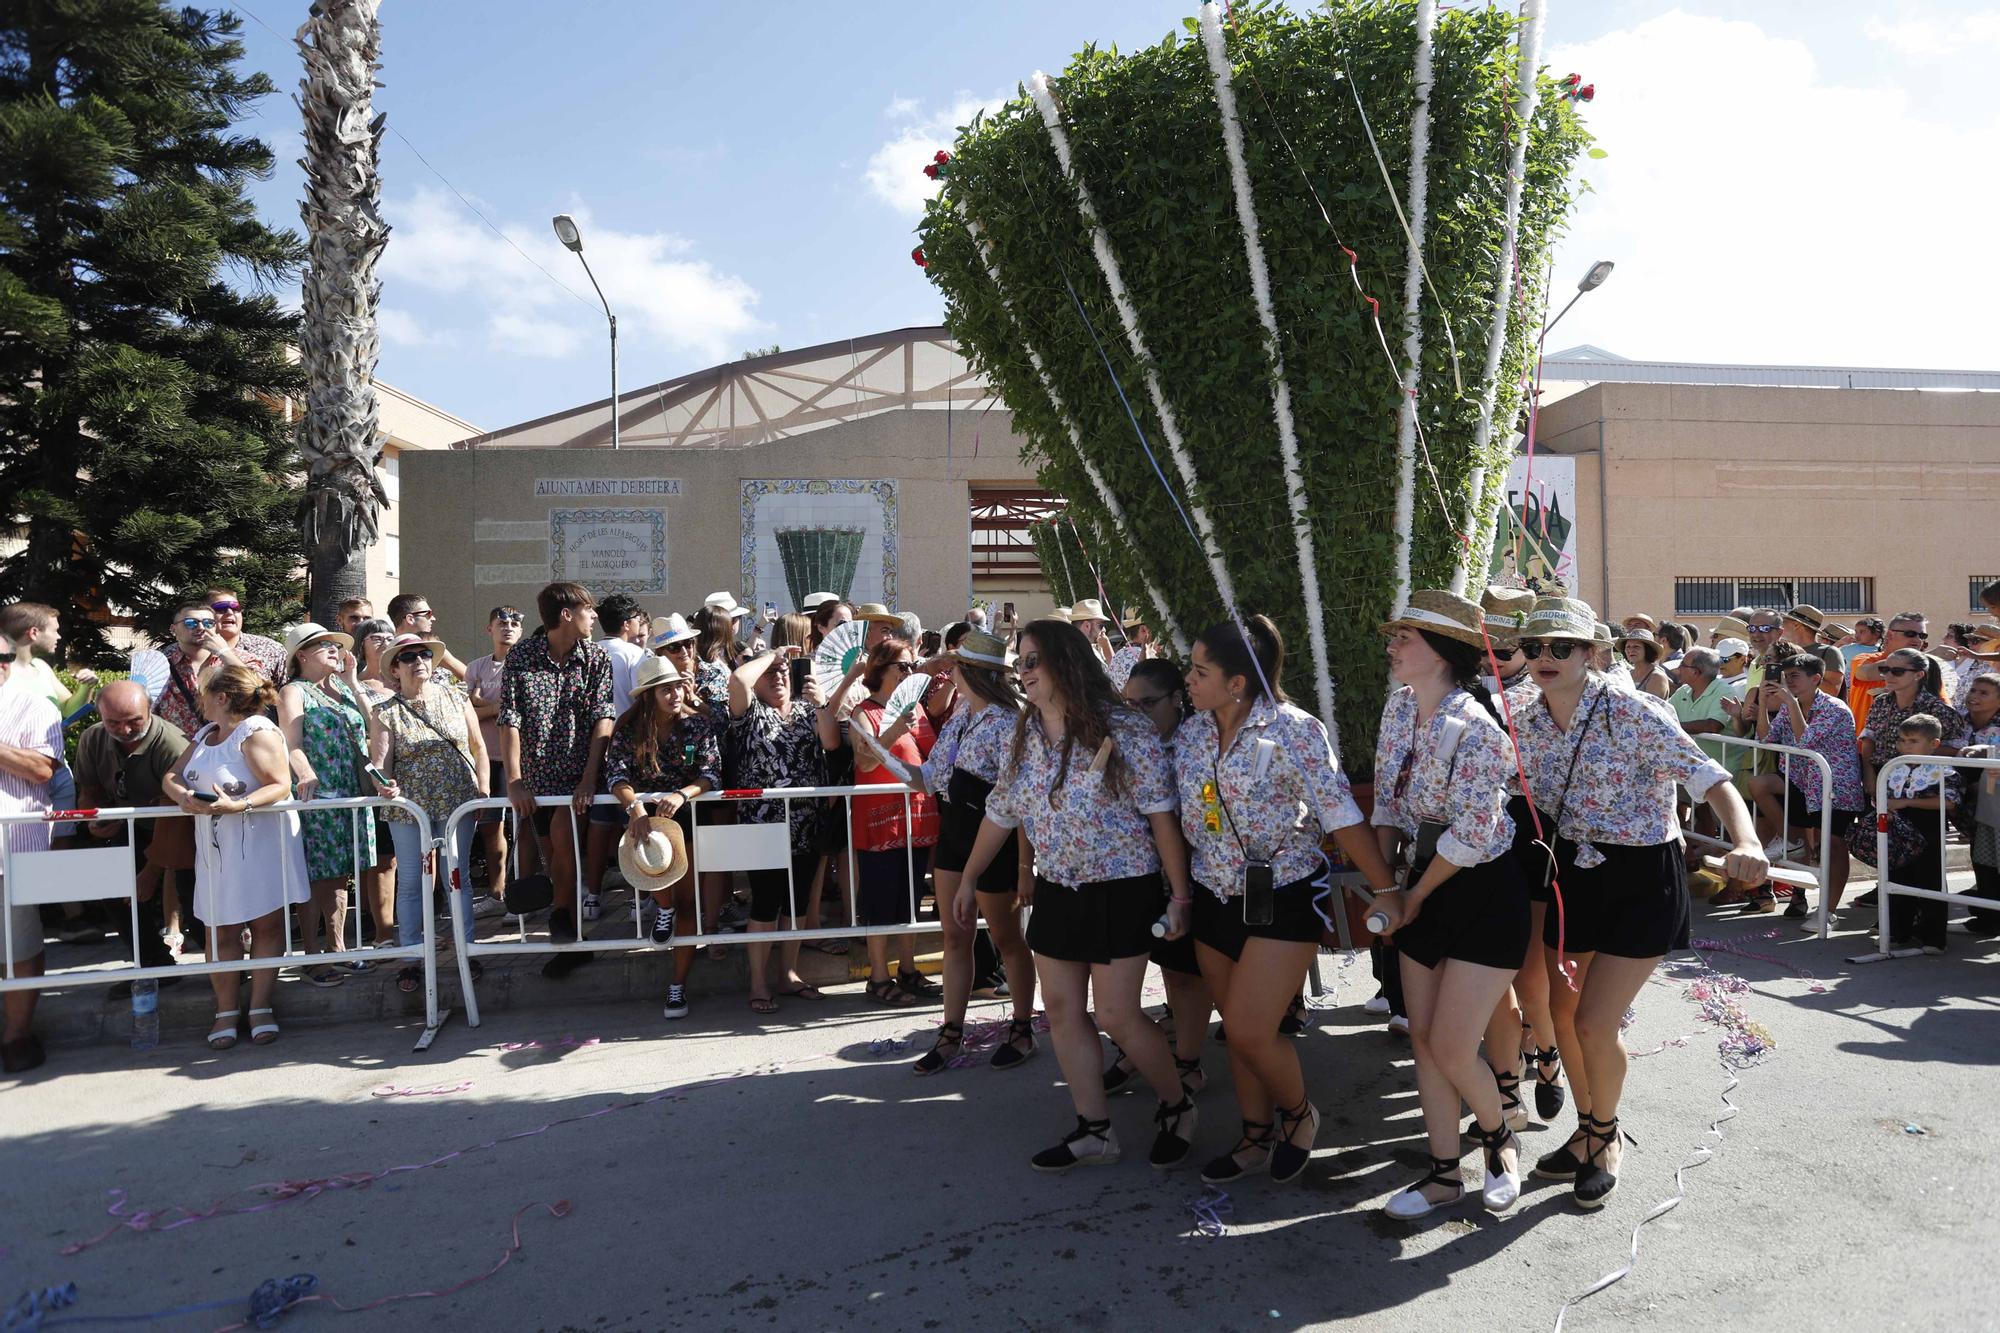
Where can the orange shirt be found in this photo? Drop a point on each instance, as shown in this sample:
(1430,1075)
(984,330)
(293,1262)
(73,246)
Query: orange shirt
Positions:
(1861,693)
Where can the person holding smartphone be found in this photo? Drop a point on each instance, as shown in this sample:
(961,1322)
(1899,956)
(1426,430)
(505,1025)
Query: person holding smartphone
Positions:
(1259,784)
(1461,919)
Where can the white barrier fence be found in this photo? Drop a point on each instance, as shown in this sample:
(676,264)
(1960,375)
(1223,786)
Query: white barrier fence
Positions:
(1796,874)
(31,879)
(1885,885)
(716,848)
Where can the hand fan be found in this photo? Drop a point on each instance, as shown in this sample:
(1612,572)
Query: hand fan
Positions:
(149,667)
(836,656)
(897,768)
(908,695)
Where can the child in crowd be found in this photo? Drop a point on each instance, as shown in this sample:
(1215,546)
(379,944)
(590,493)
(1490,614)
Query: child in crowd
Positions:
(1917,793)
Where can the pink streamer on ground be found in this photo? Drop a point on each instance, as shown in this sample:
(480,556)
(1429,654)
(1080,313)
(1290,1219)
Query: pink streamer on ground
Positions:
(441,1090)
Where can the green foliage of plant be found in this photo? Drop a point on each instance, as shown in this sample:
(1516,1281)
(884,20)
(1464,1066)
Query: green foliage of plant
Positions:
(142,354)
(1147,141)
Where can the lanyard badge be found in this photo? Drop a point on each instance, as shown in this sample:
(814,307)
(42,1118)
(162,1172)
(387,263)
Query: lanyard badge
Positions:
(1211,807)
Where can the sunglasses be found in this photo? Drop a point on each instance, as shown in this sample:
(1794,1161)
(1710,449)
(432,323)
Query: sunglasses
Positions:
(1763,627)
(1030,662)
(220,607)
(1558,649)
(1917,634)
(1902,671)
(1150,704)
(192,622)
(513,619)
(414,655)
(905,667)
(425,614)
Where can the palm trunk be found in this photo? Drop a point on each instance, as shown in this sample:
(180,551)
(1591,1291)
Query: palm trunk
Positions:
(339,42)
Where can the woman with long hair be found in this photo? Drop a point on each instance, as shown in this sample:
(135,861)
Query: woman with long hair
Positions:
(1156,689)
(715,658)
(825,616)
(792,630)
(1461,919)
(1259,785)
(1911,680)
(1087,782)
(961,770)
(1602,764)
(1640,655)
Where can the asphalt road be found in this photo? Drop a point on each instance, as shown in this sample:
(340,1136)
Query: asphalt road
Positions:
(817,1185)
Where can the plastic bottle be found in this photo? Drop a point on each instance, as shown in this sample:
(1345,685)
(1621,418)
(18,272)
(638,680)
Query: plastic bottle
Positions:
(145,1014)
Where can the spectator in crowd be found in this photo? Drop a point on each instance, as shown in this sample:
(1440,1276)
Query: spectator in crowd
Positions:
(351,613)
(792,630)
(482,681)
(1959,652)
(1910,681)
(715,658)
(249,866)
(1673,642)
(893,834)
(1137,632)
(1604,657)
(120,760)
(1801,626)
(324,714)
(1732,661)
(36,634)
(625,629)
(1641,653)
(1639,620)
(410,613)
(668,745)
(371,638)
(830,612)
(197,649)
(1807,717)
(810,604)
(264,656)
(555,722)
(976,617)
(1833,680)
(31,747)
(1698,701)
(1909,631)
(1867,638)
(1088,616)
(426,741)
(775,740)
(1917,792)
(742,626)
(1982,720)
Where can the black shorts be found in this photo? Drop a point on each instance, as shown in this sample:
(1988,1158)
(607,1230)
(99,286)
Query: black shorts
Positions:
(1634,905)
(1799,817)
(1218,922)
(1529,859)
(771,897)
(496,784)
(958,827)
(1480,915)
(1177,955)
(883,885)
(1096,923)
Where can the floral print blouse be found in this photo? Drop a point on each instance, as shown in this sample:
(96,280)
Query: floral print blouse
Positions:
(1270,797)
(1629,750)
(770,749)
(431,754)
(977,742)
(711,686)
(1830,733)
(1885,719)
(1454,770)
(692,754)
(1081,832)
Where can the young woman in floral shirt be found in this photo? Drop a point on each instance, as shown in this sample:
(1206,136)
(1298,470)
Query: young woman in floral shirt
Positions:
(1602,764)
(1258,779)
(1461,920)
(1087,783)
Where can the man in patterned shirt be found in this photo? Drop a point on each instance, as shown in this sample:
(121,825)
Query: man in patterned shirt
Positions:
(555,722)
(198,648)
(264,656)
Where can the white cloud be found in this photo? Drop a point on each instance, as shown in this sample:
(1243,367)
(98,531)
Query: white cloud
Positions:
(1925,37)
(668,305)
(397,325)
(1759,212)
(895,171)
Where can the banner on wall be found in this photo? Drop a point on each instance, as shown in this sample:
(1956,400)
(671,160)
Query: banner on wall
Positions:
(1534,538)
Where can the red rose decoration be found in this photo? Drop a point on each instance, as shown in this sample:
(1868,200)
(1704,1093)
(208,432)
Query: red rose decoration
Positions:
(1587,92)
(942,157)
(1571,80)
(931,170)
(918,256)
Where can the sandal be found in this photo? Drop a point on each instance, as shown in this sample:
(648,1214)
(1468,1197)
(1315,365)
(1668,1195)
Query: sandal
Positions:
(1192,1079)
(804,991)
(889,994)
(262,1034)
(1007,1054)
(323,975)
(408,979)
(1123,1075)
(936,1058)
(221,1039)
(918,986)
(1410,1204)
(1564,1163)
(1595,1182)
(1501,1189)
(1288,1158)
(1256,1138)
(763,1004)
(1512,1114)
(1549,1094)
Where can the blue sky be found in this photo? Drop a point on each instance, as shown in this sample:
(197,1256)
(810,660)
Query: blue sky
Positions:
(1786,181)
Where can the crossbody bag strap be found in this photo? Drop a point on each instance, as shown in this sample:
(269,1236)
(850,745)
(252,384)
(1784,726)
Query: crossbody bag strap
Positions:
(449,744)
(1569,777)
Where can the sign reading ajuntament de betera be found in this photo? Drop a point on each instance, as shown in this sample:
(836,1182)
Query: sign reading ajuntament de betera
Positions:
(594,488)
(609,550)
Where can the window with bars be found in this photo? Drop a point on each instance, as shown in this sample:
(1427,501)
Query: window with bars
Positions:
(1979,582)
(1717,596)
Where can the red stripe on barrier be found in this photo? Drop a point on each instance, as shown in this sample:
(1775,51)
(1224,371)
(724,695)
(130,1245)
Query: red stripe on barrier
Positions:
(742,791)
(65,816)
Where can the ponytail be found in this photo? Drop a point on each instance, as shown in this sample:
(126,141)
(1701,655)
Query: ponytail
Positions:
(1467,665)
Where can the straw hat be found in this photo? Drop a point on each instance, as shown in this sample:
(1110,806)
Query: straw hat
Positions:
(1729,627)
(653,671)
(1060,613)
(1131,621)
(304,636)
(978,648)
(878,613)
(1809,616)
(1641,619)
(1506,610)
(406,641)
(1600,634)
(657,858)
(1087,609)
(1560,618)
(674,629)
(1442,613)
(1653,650)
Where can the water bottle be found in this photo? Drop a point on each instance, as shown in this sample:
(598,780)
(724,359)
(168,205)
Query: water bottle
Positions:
(145,1014)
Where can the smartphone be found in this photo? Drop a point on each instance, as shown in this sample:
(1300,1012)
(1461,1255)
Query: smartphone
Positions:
(770,613)
(801,668)
(1260,893)
(205,797)
(1007,613)
(375,774)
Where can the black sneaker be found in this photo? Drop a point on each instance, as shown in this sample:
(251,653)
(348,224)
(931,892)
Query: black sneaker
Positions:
(1796,909)
(677,1003)
(663,925)
(1175,1140)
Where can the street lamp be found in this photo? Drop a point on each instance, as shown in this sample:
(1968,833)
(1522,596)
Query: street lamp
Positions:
(572,239)
(1590,282)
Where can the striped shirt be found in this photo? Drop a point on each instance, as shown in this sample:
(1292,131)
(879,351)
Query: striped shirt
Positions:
(27,722)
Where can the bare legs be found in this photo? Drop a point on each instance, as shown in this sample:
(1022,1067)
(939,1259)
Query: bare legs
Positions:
(1253,993)
(1588,1022)
(1066,995)
(1450,1007)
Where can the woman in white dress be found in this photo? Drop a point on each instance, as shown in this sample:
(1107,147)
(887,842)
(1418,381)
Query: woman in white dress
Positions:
(249,867)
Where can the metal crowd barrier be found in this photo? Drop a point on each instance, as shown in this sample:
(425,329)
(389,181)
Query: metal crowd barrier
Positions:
(1797,874)
(715,849)
(90,874)
(1884,884)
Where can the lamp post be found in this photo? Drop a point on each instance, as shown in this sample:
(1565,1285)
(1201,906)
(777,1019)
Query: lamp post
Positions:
(1590,282)
(567,233)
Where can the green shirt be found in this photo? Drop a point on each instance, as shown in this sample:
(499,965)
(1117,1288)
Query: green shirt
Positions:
(128,778)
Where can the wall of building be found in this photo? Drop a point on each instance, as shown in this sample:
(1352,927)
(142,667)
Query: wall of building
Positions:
(487,526)
(1896,486)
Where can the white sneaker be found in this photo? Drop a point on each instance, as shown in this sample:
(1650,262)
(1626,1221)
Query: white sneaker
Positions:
(486,905)
(1502,1189)
(593,907)
(1378,1005)
(1399,1024)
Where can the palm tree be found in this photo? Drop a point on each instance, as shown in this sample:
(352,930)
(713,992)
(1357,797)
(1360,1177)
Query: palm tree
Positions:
(340,41)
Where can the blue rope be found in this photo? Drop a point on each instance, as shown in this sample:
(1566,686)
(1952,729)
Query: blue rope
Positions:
(268,1304)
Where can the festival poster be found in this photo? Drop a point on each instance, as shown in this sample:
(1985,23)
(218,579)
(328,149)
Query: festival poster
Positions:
(1534,536)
